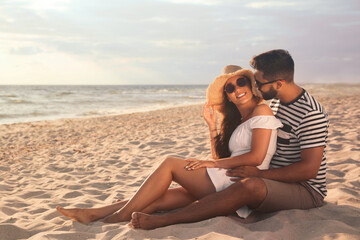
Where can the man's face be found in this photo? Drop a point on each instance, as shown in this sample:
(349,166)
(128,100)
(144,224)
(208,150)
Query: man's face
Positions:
(265,87)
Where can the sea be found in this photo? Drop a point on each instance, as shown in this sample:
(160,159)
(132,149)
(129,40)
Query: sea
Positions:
(25,103)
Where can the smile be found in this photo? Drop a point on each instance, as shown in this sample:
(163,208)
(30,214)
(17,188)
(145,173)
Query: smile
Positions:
(241,95)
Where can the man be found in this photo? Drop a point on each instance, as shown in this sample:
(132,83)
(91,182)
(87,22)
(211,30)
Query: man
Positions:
(297,177)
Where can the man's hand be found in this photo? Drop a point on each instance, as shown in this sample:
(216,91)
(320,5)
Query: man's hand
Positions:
(196,164)
(243,172)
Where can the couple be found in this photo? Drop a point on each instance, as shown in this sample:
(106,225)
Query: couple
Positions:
(240,178)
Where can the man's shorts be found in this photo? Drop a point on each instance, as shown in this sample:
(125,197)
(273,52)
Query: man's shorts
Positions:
(282,196)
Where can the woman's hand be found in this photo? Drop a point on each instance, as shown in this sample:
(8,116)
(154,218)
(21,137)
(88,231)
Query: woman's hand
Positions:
(194,164)
(209,115)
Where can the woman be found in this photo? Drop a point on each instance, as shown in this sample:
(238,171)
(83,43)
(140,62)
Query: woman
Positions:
(247,136)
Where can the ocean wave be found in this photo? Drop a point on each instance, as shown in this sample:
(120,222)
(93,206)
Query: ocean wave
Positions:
(19,101)
(116,92)
(12,116)
(152,101)
(166,91)
(5,116)
(103,112)
(60,94)
(8,95)
(91,113)
(195,97)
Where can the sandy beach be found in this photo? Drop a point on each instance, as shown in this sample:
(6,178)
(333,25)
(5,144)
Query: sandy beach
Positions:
(89,162)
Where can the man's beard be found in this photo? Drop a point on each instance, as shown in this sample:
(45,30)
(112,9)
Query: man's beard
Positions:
(270,94)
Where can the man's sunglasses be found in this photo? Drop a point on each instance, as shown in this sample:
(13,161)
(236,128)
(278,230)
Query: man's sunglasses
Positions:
(259,84)
(241,82)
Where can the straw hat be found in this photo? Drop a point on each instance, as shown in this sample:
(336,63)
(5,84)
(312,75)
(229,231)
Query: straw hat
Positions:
(215,92)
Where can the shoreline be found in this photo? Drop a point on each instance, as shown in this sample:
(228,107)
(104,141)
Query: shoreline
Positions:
(106,115)
(46,102)
(318,90)
(62,132)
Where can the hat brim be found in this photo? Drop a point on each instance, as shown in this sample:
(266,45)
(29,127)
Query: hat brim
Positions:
(215,92)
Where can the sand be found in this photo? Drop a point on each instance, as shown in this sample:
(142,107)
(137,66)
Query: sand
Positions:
(90,162)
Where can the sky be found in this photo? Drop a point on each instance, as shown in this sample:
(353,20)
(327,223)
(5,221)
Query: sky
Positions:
(173,41)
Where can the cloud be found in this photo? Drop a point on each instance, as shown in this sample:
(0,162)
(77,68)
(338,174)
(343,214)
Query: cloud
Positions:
(347,24)
(188,40)
(196,2)
(43,5)
(25,50)
(271,4)
(178,43)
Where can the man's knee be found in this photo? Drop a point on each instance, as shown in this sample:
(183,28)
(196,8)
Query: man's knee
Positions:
(253,188)
(253,185)
(248,191)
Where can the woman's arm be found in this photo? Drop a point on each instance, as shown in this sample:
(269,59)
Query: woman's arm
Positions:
(213,134)
(209,115)
(259,145)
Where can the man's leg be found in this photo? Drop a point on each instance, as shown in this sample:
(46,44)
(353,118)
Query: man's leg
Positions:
(249,191)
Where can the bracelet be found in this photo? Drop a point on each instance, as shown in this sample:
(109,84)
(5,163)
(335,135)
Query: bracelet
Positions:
(214,130)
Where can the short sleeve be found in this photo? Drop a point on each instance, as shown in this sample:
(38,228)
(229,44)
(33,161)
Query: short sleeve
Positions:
(313,130)
(265,121)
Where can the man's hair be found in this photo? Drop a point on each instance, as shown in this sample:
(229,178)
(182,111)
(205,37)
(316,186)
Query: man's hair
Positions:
(275,64)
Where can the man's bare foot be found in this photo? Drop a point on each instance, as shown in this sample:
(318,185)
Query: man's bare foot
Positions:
(77,214)
(146,221)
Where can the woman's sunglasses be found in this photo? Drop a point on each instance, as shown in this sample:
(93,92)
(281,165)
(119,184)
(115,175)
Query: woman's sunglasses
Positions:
(241,82)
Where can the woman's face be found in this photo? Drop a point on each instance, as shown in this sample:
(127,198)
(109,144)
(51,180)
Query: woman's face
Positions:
(242,91)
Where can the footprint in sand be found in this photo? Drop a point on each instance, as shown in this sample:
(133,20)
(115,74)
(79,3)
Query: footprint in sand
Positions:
(16,232)
(34,194)
(8,211)
(73,194)
(336,173)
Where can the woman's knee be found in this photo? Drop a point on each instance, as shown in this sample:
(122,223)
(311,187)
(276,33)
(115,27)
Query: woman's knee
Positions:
(172,161)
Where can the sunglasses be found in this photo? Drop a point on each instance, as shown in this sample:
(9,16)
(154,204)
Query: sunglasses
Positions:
(230,88)
(259,84)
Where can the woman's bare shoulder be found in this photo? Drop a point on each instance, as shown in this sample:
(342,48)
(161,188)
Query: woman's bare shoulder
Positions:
(262,109)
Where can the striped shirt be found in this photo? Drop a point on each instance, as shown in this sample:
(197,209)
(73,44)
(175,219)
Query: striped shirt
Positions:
(305,126)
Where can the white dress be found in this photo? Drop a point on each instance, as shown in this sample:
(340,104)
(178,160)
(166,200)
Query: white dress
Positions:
(240,143)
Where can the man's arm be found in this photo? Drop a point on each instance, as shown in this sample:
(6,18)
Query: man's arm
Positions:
(303,170)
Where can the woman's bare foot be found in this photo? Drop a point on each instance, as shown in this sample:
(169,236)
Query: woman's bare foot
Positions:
(116,217)
(146,221)
(78,214)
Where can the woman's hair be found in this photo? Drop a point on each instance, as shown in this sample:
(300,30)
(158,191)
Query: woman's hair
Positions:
(231,119)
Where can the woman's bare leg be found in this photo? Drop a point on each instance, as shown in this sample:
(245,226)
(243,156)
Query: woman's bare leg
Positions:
(197,183)
(172,199)
(86,215)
